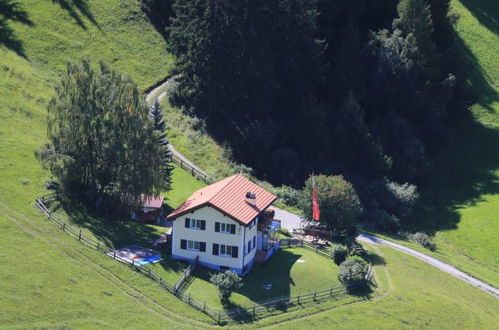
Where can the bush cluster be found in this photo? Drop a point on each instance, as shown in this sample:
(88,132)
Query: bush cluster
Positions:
(288,195)
(423,239)
(353,272)
(340,253)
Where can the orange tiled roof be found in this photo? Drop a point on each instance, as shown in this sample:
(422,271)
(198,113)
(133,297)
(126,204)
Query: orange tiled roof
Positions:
(229,197)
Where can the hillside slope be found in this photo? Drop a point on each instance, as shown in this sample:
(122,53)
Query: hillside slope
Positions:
(462,203)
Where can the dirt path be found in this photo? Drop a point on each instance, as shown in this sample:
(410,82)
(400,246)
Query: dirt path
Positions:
(292,221)
(434,262)
(160,91)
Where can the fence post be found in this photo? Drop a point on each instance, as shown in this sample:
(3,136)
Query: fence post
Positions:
(331,291)
(189,298)
(98,246)
(63,226)
(79,236)
(315,295)
(254,309)
(289,243)
(133,263)
(298,299)
(149,272)
(114,255)
(218,321)
(301,243)
(181,163)
(204,306)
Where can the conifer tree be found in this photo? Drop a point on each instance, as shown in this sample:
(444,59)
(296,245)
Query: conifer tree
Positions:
(414,17)
(155,111)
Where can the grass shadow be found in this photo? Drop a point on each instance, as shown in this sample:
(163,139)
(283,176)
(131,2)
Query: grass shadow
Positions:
(465,166)
(374,259)
(486,11)
(76,9)
(275,271)
(115,233)
(12,11)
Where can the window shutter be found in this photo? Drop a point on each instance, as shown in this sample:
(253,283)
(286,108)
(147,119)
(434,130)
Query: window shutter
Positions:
(249,246)
(203,224)
(254,241)
(232,229)
(187,223)
(217,227)
(234,251)
(202,246)
(215,249)
(183,244)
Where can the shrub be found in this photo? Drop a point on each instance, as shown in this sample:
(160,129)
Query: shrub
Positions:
(288,195)
(352,273)
(285,232)
(339,254)
(403,197)
(226,282)
(424,240)
(355,249)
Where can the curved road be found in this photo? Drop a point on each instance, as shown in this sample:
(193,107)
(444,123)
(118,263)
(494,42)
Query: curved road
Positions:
(292,221)
(434,262)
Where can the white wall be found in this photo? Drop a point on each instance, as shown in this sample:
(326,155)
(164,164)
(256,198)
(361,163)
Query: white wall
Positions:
(209,236)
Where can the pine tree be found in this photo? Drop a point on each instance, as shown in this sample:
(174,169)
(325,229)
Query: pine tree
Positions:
(414,17)
(155,111)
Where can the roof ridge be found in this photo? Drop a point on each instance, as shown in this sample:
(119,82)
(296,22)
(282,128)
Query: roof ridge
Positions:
(222,187)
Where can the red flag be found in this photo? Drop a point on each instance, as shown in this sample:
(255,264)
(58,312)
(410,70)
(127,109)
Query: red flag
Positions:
(316,212)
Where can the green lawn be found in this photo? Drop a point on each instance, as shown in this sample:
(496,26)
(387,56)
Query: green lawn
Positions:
(412,295)
(461,205)
(288,277)
(49,280)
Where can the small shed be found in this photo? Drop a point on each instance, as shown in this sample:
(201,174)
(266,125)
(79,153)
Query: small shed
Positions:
(151,209)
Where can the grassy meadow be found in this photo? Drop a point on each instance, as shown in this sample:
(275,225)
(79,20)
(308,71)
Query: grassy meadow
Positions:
(50,280)
(461,205)
(411,295)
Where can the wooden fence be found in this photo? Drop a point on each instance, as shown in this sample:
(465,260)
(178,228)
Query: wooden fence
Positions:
(258,310)
(185,275)
(192,170)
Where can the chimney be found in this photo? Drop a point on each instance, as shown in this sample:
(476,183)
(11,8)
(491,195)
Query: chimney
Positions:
(251,198)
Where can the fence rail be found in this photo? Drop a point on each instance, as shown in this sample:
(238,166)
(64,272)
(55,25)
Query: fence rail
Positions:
(259,309)
(192,170)
(185,275)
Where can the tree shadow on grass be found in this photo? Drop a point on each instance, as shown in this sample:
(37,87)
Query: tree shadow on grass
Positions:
(76,9)
(12,11)
(486,11)
(115,233)
(465,166)
(275,271)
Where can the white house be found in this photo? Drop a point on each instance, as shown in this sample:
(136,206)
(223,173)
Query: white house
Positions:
(226,225)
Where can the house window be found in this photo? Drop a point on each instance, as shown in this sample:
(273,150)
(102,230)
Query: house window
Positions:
(251,244)
(223,268)
(192,245)
(252,223)
(195,224)
(225,228)
(225,250)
